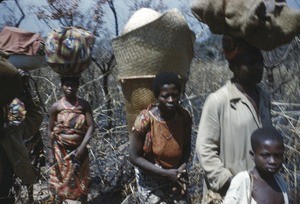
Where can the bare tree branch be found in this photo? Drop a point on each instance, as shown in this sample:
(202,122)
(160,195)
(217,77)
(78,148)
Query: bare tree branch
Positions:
(22,14)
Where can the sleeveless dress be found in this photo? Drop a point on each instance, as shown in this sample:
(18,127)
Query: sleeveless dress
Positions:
(69,178)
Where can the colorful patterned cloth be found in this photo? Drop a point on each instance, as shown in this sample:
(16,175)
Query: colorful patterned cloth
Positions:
(69,178)
(16,112)
(68,50)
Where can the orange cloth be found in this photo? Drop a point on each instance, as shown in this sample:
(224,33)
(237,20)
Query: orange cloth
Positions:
(165,140)
(18,41)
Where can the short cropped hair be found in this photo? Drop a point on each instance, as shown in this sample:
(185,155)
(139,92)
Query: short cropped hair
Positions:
(65,79)
(266,133)
(164,78)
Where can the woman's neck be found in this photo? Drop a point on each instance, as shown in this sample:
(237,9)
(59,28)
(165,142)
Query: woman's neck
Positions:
(71,99)
(165,115)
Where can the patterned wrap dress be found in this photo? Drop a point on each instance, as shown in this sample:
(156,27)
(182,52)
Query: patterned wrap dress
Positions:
(69,178)
(164,146)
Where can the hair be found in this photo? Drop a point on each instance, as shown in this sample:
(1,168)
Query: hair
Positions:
(234,47)
(164,78)
(263,134)
(69,79)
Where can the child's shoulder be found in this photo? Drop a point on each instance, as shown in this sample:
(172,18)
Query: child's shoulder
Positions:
(241,176)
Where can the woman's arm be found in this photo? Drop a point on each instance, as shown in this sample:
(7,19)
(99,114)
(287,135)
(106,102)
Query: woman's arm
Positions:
(188,137)
(89,132)
(208,145)
(137,159)
(52,118)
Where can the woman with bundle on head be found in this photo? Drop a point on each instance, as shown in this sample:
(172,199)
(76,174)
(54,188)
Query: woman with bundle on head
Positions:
(229,116)
(160,144)
(71,124)
(70,128)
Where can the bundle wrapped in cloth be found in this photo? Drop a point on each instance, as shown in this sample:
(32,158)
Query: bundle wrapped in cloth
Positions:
(25,49)
(150,43)
(10,81)
(68,50)
(265,24)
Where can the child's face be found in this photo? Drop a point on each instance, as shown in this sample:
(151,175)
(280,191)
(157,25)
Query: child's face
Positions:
(268,156)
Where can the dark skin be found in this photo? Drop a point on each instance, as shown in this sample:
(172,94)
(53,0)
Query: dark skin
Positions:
(168,100)
(70,99)
(247,71)
(268,158)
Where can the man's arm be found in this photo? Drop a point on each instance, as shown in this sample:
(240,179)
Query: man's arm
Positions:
(208,146)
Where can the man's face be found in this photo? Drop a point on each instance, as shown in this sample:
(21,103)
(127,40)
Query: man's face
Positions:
(268,156)
(249,67)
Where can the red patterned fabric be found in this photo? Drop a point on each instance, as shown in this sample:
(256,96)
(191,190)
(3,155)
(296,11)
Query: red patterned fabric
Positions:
(70,179)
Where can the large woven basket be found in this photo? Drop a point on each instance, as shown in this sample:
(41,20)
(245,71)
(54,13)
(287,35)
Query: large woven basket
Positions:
(138,95)
(165,44)
(151,43)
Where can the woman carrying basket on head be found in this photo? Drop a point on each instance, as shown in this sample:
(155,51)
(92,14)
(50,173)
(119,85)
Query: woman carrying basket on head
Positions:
(160,144)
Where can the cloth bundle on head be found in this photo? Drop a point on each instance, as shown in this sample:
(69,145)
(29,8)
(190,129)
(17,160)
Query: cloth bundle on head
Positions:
(68,50)
(151,42)
(10,81)
(265,24)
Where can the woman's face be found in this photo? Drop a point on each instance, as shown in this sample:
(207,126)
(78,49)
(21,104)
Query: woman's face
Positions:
(70,88)
(168,97)
(249,68)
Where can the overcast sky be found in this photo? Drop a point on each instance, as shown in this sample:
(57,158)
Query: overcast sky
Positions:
(31,22)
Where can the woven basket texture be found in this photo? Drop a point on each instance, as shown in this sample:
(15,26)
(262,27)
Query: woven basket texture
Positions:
(138,95)
(165,44)
(151,43)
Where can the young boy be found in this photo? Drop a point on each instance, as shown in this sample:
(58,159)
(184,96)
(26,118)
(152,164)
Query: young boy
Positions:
(262,184)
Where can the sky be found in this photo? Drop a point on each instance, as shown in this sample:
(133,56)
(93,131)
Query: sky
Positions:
(31,23)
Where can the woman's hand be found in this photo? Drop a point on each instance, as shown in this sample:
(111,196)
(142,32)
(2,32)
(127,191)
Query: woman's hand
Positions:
(179,176)
(79,155)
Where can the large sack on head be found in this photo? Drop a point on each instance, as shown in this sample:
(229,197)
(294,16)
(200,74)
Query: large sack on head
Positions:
(10,81)
(265,24)
(151,42)
(68,50)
